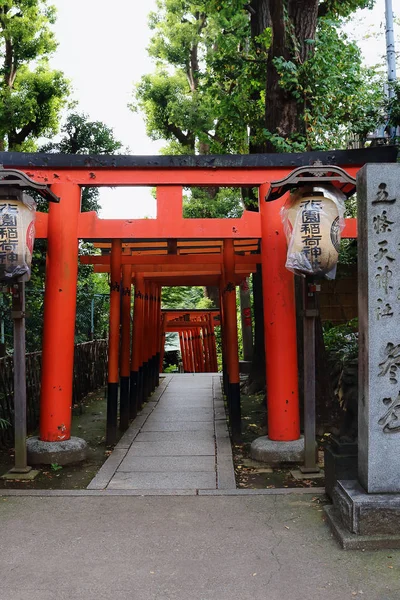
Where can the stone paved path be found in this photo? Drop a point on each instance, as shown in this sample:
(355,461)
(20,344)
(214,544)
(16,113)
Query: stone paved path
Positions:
(179,441)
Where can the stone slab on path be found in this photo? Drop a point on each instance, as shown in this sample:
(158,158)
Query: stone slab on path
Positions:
(182,448)
(186,426)
(159,464)
(181,442)
(186,480)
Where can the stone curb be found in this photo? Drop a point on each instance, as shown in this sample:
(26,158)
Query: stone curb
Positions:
(98,493)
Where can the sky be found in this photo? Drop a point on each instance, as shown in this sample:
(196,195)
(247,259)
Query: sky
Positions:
(102,50)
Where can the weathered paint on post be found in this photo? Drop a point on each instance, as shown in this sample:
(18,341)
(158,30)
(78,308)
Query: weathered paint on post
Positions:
(279,325)
(59,314)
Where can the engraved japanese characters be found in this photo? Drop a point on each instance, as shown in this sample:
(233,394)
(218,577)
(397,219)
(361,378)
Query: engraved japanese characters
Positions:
(313,221)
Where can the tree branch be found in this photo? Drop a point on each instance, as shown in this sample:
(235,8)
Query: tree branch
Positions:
(16,138)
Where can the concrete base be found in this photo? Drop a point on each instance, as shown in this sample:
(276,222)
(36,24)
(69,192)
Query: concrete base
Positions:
(275,453)
(244,366)
(68,452)
(297,474)
(28,476)
(352,541)
(360,517)
(340,459)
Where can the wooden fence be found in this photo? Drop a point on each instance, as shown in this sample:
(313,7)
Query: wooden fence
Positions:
(90,373)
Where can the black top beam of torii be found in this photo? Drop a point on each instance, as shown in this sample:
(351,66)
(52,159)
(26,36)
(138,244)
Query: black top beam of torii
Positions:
(379,154)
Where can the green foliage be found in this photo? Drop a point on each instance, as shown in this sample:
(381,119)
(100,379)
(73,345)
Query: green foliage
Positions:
(207,70)
(81,136)
(341,341)
(201,205)
(31,94)
(205,303)
(4,424)
(335,93)
(181,297)
(393,107)
(208,90)
(171,369)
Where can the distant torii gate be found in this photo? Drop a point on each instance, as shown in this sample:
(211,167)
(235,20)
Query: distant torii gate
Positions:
(64,225)
(196,338)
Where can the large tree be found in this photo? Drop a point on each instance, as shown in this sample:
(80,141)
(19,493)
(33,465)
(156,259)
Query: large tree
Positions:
(31,94)
(82,136)
(237,77)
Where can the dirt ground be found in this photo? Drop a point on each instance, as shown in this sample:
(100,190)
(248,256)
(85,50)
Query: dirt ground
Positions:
(257,475)
(88,423)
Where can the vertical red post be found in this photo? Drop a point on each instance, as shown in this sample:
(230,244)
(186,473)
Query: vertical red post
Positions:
(213,345)
(146,342)
(59,314)
(191,352)
(223,334)
(160,347)
(206,345)
(125,347)
(154,338)
(188,367)
(196,341)
(113,341)
(161,353)
(279,325)
(137,347)
(183,353)
(230,327)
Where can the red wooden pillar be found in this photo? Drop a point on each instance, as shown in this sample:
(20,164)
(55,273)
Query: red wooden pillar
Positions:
(59,314)
(113,341)
(183,352)
(161,353)
(160,348)
(213,345)
(137,347)
(146,342)
(279,325)
(230,327)
(188,367)
(223,335)
(125,347)
(156,341)
(191,351)
(206,345)
(197,346)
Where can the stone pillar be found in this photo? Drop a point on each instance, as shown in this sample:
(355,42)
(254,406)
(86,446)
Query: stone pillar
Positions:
(366,512)
(379,328)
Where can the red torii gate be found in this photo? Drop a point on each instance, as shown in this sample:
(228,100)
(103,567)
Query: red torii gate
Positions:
(155,263)
(191,325)
(64,225)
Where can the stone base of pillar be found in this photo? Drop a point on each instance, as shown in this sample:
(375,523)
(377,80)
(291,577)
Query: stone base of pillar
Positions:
(340,463)
(67,452)
(364,521)
(244,366)
(276,453)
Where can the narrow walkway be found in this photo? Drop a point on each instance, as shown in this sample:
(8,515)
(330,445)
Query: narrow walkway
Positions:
(178,443)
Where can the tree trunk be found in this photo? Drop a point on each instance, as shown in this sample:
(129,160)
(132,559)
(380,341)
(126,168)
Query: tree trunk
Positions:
(290,35)
(212,292)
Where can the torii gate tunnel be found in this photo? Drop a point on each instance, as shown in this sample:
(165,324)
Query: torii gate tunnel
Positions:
(65,225)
